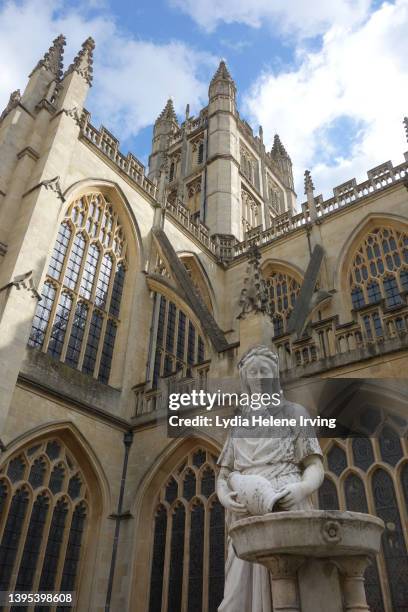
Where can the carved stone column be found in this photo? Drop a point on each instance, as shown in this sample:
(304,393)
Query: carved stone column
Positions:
(285,592)
(352,570)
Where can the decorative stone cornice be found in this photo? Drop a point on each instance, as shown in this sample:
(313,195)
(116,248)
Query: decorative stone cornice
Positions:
(24,282)
(52,60)
(14,100)
(83,62)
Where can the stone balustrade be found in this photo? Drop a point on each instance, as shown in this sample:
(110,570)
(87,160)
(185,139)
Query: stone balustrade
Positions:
(227,248)
(105,142)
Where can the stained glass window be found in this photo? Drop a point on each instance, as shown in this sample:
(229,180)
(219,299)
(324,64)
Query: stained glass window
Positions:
(195,570)
(47,527)
(195,547)
(283,291)
(86,271)
(178,346)
(158,558)
(328,498)
(378,270)
(375,483)
(176,557)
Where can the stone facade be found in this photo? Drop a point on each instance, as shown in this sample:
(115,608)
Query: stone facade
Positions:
(183,233)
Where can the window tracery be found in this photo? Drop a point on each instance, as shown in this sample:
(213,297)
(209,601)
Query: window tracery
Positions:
(379,270)
(283,290)
(44,508)
(251,212)
(178,345)
(368,474)
(189,539)
(77,318)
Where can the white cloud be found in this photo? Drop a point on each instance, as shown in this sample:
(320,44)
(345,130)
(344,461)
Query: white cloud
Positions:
(301,17)
(132,77)
(360,74)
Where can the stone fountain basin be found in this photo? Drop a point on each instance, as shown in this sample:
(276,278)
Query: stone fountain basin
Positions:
(316,533)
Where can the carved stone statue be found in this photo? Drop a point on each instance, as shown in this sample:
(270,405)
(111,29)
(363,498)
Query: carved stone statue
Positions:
(259,475)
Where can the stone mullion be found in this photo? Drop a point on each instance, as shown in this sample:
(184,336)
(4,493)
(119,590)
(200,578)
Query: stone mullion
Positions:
(83,549)
(206,554)
(167,555)
(69,326)
(186,559)
(382,570)
(111,281)
(51,320)
(100,343)
(164,338)
(63,547)
(395,476)
(6,508)
(46,533)
(90,302)
(23,536)
(86,333)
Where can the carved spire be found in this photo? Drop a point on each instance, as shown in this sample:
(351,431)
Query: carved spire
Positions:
(222,87)
(309,191)
(278,150)
(52,60)
(406,126)
(254,295)
(14,100)
(222,73)
(168,113)
(83,62)
(309,187)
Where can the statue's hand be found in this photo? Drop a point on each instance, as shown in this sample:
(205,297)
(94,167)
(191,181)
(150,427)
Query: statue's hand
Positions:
(229,502)
(293,495)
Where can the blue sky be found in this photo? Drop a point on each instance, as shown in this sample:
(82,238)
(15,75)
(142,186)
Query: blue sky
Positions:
(330,77)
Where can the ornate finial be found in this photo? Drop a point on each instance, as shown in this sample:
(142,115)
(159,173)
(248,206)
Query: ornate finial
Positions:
(309,187)
(254,295)
(168,113)
(187,112)
(222,73)
(406,126)
(83,62)
(278,150)
(14,99)
(260,132)
(52,60)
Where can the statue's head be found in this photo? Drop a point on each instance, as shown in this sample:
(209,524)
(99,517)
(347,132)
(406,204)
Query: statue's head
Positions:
(259,370)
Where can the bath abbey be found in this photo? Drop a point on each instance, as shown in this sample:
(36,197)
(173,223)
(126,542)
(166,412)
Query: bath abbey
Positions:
(120,282)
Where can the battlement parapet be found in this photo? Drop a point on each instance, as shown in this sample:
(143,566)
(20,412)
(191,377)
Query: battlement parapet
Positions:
(103,140)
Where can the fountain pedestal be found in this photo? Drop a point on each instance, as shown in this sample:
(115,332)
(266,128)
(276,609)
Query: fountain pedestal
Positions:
(316,558)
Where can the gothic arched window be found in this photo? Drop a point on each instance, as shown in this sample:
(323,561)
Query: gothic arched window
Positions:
(380,268)
(77,317)
(358,481)
(283,290)
(189,539)
(178,345)
(43,514)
